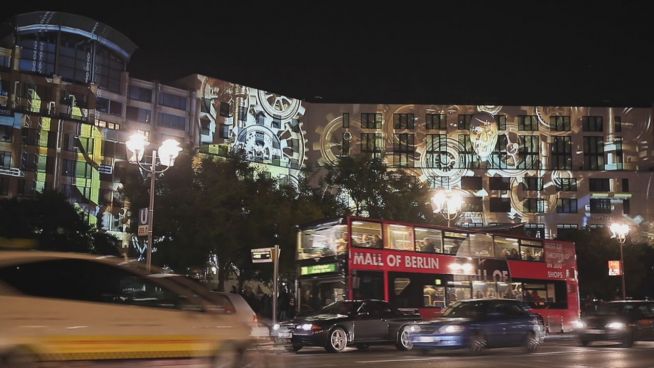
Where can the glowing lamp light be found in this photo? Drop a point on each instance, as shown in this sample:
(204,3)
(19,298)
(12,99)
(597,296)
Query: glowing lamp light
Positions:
(447,202)
(619,231)
(168,152)
(136,144)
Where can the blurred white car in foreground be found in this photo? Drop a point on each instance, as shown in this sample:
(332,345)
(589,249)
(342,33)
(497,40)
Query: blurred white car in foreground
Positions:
(65,306)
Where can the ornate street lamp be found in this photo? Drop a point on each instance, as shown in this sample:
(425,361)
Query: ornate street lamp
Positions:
(619,231)
(167,153)
(448,203)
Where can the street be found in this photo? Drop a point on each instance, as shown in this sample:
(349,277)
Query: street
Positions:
(554,353)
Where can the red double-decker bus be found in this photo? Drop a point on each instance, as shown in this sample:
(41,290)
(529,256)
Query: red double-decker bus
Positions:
(429,267)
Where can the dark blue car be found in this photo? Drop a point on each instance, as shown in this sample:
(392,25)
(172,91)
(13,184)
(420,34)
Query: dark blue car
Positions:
(479,324)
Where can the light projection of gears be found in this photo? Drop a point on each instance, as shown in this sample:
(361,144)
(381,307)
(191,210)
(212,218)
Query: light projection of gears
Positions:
(332,137)
(443,160)
(483,134)
(491,109)
(278,105)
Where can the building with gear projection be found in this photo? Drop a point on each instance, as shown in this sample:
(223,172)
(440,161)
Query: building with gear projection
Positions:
(68,103)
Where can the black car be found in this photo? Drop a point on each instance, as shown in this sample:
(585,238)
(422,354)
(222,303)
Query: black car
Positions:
(622,321)
(479,324)
(359,323)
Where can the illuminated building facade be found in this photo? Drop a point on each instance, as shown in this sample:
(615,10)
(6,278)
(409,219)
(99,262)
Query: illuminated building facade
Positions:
(67,104)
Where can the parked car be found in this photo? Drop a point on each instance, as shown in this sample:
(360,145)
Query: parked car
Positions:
(64,306)
(479,324)
(227,303)
(359,323)
(623,321)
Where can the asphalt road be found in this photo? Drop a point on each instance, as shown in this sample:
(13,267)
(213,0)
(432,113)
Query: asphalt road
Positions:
(554,353)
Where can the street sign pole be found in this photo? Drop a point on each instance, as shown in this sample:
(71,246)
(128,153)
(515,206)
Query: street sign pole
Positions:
(275,279)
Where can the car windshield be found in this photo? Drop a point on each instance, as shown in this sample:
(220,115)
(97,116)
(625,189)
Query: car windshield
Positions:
(464,310)
(345,308)
(609,309)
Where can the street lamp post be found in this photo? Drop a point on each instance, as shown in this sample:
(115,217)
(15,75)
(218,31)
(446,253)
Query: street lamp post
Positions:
(448,203)
(620,231)
(167,153)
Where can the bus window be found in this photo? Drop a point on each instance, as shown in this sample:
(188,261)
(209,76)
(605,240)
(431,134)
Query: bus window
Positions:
(322,242)
(455,243)
(458,290)
(481,245)
(367,234)
(429,240)
(399,237)
(433,296)
(484,289)
(369,285)
(531,250)
(506,248)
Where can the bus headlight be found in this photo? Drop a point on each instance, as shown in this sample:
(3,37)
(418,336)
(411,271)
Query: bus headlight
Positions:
(616,325)
(579,324)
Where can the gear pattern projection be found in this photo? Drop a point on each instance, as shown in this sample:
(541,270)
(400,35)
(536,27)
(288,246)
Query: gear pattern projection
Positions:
(335,140)
(442,159)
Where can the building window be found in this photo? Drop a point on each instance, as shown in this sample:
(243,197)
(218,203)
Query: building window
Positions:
(403,121)
(566,184)
(439,182)
(372,143)
(437,155)
(403,150)
(108,106)
(529,148)
(463,121)
(499,183)
(140,94)
(535,205)
(473,204)
(528,123)
(593,153)
(500,205)
(562,153)
(346,120)
(625,185)
(499,156)
(174,101)
(172,121)
(108,69)
(533,183)
(618,123)
(468,157)
(600,205)
(592,124)
(5,159)
(225,109)
(138,114)
(567,226)
(501,122)
(68,169)
(626,206)
(223,131)
(6,134)
(560,123)
(566,205)
(436,121)
(599,185)
(471,183)
(4,186)
(534,231)
(243,113)
(371,120)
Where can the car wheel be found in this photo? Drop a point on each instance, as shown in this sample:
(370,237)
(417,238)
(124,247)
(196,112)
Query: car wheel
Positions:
(363,347)
(19,358)
(531,343)
(628,340)
(336,341)
(477,343)
(293,348)
(403,342)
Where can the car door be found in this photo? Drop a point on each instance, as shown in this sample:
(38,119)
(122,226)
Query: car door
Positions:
(509,323)
(369,324)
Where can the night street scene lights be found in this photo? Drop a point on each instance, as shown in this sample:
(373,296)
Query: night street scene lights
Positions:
(167,153)
(448,203)
(619,231)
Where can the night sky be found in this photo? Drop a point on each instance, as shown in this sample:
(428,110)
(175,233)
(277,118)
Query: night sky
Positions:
(511,53)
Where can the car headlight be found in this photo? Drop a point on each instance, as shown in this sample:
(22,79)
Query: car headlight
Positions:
(579,324)
(451,329)
(414,328)
(276,326)
(306,327)
(615,325)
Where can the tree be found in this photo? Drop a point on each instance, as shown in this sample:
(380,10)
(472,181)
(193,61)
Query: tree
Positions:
(54,223)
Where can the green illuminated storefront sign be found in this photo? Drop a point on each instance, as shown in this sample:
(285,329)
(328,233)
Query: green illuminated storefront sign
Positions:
(323,268)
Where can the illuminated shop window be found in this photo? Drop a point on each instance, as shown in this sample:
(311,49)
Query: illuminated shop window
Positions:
(436,121)
(399,237)
(367,234)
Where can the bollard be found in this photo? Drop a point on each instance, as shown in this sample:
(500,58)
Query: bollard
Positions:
(562,330)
